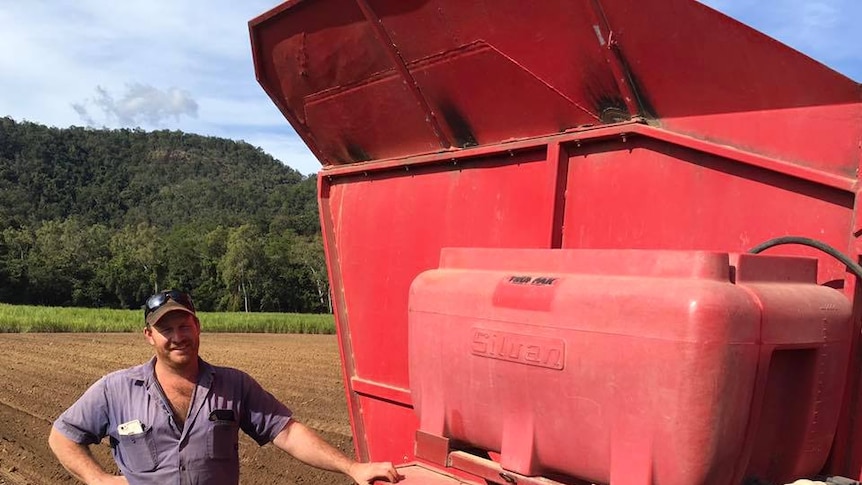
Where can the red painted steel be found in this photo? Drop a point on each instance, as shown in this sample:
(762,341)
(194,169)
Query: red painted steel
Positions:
(566,125)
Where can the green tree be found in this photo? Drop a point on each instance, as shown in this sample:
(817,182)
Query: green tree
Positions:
(184,257)
(243,267)
(63,263)
(298,208)
(211,292)
(15,246)
(137,266)
(308,251)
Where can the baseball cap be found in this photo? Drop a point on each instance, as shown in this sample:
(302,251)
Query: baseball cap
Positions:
(166,302)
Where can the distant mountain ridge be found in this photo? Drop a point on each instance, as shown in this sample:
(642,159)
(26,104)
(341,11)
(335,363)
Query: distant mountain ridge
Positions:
(126,176)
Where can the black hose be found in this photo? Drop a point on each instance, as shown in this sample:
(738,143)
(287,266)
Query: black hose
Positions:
(807,241)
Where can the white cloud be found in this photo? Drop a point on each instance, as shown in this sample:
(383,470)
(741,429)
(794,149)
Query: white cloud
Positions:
(141,105)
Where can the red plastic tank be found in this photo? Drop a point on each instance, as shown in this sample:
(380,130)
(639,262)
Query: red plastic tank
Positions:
(630,367)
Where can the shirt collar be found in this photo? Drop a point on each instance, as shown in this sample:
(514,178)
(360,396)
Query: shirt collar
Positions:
(147,372)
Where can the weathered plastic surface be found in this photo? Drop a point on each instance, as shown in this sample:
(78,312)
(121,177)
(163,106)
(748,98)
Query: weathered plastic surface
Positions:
(589,124)
(631,367)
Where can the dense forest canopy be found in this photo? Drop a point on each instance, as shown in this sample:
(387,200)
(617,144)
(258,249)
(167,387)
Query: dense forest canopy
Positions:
(103,218)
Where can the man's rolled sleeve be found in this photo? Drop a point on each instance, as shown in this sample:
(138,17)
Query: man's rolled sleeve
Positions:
(86,421)
(264,416)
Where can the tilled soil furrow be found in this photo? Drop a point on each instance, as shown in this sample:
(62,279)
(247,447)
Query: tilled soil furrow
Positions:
(45,419)
(23,445)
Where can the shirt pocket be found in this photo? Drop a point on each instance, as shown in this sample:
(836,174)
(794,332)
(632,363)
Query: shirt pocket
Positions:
(138,451)
(223,440)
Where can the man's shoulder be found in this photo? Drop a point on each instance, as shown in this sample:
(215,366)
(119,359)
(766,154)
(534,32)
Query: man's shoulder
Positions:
(232,377)
(137,372)
(228,372)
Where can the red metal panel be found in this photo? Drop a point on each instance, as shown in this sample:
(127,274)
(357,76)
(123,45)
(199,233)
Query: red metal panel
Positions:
(345,347)
(427,74)
(788,134)
(379,221)
(706,74)
(360,138)
(647,194)
(456,86)
(651,367)
(293,59)
(376,223)
(517,45)
(390,429)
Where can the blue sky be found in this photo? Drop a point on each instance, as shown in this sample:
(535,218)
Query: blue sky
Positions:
(186,64)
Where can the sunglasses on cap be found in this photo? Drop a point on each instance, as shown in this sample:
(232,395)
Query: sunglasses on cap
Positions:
(159,299)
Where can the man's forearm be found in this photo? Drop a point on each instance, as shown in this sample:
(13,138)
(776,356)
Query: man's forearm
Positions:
(76,458)
(305,445)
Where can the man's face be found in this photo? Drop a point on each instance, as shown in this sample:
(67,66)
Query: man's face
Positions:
(175,338)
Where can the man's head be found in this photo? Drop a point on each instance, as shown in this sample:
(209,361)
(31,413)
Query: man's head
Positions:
(172,327)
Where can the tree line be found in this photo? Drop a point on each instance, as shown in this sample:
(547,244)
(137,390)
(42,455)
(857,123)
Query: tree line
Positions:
(104,218)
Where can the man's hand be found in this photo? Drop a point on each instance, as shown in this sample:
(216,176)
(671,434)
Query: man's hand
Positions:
(367,473)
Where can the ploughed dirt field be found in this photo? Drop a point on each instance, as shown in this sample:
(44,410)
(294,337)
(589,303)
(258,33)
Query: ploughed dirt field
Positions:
(42,374)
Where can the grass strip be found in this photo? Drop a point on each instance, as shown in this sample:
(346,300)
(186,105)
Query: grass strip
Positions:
(26,318)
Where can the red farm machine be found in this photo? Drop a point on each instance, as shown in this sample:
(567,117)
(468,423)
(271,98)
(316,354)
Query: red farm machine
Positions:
(581,241)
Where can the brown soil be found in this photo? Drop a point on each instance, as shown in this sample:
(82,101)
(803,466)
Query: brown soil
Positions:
(42,374)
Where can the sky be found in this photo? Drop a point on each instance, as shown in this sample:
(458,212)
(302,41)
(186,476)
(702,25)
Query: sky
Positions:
(186,64)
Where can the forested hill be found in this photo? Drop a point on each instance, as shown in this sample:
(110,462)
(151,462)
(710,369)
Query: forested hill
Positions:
(120,177)
(105,217)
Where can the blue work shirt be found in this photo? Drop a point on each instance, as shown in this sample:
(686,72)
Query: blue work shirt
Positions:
(204,451)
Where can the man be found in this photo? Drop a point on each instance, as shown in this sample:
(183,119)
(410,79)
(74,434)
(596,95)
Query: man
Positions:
(175,419)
